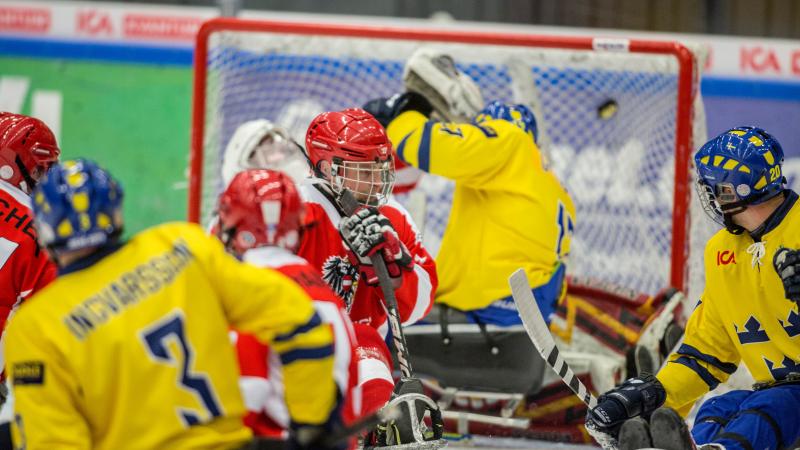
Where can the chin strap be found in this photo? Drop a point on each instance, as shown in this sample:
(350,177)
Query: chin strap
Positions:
(29,181)
(731,209)
(727,220)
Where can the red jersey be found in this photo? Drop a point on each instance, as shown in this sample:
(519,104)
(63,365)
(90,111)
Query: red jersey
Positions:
(322,246)
(24,267)
(261,377)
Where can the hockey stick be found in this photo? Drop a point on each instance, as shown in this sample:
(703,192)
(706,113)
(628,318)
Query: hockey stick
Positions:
(387,413)
(411,431)
(540,335)
(350,205)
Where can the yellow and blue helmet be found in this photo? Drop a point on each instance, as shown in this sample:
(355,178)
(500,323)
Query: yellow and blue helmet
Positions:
(738,168)
(520,115)
(77,205)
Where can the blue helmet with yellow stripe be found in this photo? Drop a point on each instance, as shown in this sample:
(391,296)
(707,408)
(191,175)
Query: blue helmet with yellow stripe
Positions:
(738,168)
(77,205)
(520,115)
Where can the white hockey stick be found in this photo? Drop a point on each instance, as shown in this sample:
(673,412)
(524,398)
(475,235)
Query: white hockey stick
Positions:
(540,335)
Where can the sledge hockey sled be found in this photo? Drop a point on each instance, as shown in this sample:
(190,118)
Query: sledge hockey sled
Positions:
(490,380)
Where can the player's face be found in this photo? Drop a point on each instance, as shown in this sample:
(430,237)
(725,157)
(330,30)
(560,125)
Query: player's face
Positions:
(370,182)
(272,151)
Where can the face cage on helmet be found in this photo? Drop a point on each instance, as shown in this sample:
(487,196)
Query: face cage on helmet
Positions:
(274,152)
(371,182)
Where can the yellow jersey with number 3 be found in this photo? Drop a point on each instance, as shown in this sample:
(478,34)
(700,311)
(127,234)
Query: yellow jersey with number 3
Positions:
(508,212)
(133,350)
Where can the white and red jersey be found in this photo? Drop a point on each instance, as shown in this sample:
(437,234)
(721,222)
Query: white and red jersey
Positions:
(261,378)
(24,267)
(322,246)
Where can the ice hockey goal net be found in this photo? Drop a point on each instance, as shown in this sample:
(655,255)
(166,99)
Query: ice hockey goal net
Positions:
(617,119)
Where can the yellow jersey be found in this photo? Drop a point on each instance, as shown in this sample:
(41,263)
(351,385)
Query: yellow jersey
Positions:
(130,349)
(508,212)
(743,314)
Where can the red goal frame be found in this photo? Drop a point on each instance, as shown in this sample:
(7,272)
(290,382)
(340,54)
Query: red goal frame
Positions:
(686,87)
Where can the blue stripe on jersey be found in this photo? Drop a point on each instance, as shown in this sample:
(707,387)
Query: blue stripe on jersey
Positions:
(314,322)
(688,350)
(401,149)
(424,152)
(307,353)
(701,371)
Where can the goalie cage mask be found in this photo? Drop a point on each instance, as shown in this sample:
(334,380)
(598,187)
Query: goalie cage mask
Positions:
(260,144)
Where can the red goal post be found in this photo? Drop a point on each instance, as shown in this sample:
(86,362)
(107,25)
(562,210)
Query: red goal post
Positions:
(238,61)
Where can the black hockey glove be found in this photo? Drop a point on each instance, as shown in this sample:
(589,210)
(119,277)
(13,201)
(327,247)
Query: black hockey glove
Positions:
(386,109)
(635,397)
(787,264)
(367,234)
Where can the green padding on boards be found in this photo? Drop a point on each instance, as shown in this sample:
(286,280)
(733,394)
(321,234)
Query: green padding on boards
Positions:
(132,119)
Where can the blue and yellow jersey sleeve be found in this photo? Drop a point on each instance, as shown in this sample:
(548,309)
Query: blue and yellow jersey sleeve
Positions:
(704,360)
(707,356)
(485,155)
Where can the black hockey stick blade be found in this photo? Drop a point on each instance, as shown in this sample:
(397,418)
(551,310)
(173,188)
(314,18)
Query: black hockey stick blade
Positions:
(540,335)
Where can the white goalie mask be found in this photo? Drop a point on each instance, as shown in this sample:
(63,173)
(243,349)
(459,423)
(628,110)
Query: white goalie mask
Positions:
(260,144)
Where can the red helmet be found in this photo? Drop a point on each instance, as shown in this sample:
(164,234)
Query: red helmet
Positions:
(260,207)
(350,149)
(27,150)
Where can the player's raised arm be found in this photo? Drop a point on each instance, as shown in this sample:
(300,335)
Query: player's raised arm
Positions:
(438,125)
(473,153)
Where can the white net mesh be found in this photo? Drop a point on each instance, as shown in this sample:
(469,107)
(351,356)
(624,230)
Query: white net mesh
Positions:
(606,120)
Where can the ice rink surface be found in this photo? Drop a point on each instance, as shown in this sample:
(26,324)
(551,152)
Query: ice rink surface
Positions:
(499,443)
